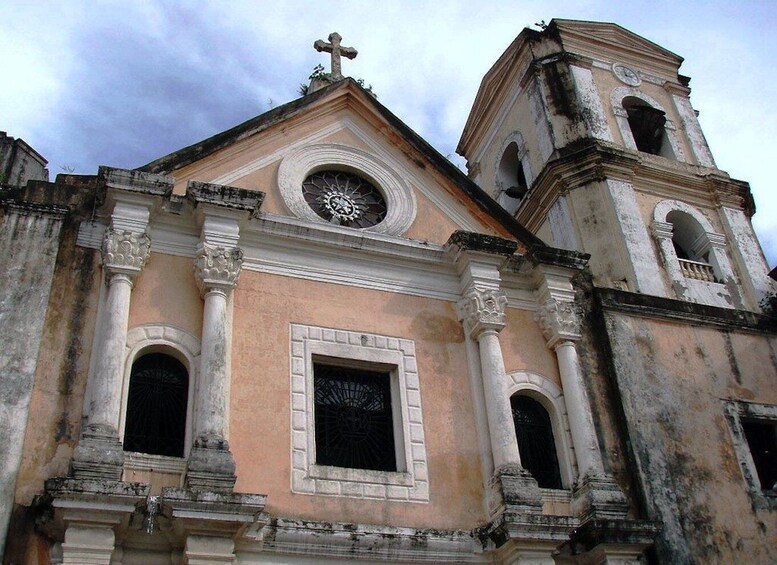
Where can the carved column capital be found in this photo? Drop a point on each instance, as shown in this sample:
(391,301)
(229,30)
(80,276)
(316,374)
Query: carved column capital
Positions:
(662,229)
(125,252)
(217,267)
(483,310)
(559,321)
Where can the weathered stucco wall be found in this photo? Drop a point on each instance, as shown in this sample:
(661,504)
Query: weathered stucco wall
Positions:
(674,380)
(48,284)
(29,240)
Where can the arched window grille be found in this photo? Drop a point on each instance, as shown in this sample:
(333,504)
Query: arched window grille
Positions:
(156,406)
(535,441)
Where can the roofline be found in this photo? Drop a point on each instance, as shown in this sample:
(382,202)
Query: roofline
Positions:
(202,149)
(555,21)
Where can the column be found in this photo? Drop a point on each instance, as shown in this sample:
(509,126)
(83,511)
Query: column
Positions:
(483,313)
(99,453)
(211,465)
(596,493)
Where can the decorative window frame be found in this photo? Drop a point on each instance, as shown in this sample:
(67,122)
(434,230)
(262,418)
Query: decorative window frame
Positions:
(411,482)
(510,204)
(711,242)
(296,166)
(622,119)
(158,338)
(545,391)
(735,412)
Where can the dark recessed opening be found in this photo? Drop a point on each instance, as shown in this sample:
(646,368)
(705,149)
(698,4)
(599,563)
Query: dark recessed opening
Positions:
(353,418)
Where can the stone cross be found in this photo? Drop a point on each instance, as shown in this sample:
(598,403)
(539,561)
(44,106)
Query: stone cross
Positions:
(336,50)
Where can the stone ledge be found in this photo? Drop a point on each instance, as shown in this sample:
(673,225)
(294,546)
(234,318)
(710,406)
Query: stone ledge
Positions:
(95,489)
(596,532)
(225,196)
(136,181)
(33,208)
(380,543)
(688,312)
(243,507)
(471,241)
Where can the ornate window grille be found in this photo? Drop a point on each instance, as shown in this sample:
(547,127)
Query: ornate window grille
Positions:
(353,418)
(535,441)
(156,406)
(344,199)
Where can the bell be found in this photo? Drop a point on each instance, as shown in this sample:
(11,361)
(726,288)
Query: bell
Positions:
(516,192)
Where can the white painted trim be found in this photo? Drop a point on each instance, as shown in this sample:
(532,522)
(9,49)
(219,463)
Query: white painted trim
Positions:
(290,247)
(299,164)
(725,294)
(411,482)
(545,391)
(171,341)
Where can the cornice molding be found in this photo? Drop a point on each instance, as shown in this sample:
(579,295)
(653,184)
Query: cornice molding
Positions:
(593,161)
(289,247)
(687,313)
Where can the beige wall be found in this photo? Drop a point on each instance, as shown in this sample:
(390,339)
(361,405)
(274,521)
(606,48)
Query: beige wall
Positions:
(523,346)
(265,305)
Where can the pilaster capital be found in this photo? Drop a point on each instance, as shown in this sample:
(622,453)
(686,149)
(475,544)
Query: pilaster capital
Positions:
(217,267)
(662,230)
(125,252)
(483,310)
(559,321)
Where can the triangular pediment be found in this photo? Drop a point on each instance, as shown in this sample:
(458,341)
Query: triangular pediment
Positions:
(343,127)
(608,39)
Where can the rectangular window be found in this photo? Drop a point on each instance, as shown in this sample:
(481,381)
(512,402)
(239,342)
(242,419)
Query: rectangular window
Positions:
(754,431)
(762,440)
(356,420)
(353,418)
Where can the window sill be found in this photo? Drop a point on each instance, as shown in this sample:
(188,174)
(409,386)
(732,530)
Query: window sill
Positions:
(134,461)
(360,475)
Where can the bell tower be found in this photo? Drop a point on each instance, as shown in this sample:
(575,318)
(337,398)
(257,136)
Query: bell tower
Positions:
(585,132)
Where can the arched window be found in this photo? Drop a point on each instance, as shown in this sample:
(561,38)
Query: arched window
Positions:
(157,403)
(692,247)
(644,124)
(535,441)
(647,126)
(688,237)
(511,176)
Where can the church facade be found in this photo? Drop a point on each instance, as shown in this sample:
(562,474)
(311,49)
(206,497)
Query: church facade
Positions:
(311,338)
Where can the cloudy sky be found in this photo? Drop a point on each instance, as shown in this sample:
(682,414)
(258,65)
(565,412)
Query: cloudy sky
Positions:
(122,83)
